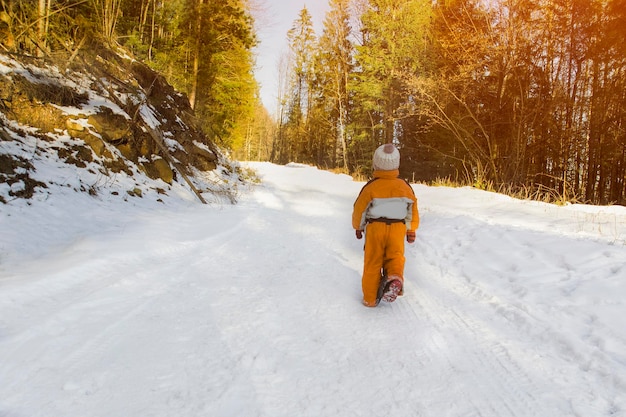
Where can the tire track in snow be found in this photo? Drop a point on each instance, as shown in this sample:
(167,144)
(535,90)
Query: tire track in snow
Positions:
(467,350)
(519,321)
(93,299)
(147,304)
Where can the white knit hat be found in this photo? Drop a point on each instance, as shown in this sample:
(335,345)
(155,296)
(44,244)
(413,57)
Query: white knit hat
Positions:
(386,158)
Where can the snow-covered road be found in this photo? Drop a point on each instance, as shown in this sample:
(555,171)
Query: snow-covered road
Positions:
(511,308)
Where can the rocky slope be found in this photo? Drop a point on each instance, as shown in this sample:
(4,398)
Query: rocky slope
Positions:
(104,124)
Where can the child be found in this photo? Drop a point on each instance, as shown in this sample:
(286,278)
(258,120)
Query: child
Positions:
(386,210)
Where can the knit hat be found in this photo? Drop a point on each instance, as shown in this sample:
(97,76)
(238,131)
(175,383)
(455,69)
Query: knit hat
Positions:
(386,158)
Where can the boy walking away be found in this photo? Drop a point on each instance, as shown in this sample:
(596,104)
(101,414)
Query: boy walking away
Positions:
(386,211)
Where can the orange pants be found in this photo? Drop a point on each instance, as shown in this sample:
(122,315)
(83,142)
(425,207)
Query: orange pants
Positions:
(384,249)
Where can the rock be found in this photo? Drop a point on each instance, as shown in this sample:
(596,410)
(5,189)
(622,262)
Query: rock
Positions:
(112,127)
(159,168)
(204,159)
(73,125)
(96,144)
(164,170)
(128,151)
(135,192)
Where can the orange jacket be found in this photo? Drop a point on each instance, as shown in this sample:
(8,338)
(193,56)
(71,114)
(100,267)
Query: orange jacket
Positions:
(386,196)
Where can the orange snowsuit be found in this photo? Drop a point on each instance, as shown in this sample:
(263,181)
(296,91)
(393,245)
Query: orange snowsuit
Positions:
(386,209)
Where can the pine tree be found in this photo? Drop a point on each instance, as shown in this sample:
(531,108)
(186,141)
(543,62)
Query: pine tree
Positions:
(332,74)
(295,135)
(394,44)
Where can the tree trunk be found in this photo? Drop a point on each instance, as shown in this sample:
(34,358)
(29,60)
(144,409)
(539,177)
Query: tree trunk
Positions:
(42,26)
(196,57)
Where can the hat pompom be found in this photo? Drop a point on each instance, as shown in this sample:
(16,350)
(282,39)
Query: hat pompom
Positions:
(386,158)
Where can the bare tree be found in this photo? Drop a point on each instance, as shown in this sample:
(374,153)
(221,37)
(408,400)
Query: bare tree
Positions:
(107,12)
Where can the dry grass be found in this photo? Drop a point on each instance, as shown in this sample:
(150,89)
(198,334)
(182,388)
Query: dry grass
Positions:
(534,192)
(50,93)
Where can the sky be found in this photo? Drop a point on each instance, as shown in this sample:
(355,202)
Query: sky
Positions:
(273,20)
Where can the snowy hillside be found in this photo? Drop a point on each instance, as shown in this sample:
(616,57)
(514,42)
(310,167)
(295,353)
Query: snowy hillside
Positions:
(109,126)
(174,308)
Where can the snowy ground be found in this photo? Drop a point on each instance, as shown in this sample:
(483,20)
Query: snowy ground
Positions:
(144,308)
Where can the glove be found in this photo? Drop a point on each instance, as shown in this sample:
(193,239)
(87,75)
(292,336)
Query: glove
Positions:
(359,234)
(410,236)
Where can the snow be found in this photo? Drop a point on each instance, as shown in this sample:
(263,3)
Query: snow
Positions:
(174,308)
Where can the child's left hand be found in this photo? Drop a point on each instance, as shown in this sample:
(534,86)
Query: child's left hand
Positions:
(410,236)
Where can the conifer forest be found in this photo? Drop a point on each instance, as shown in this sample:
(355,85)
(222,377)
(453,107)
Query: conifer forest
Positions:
(526,97)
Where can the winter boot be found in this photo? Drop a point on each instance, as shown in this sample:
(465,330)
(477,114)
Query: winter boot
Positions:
(381,286)
(392,289)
